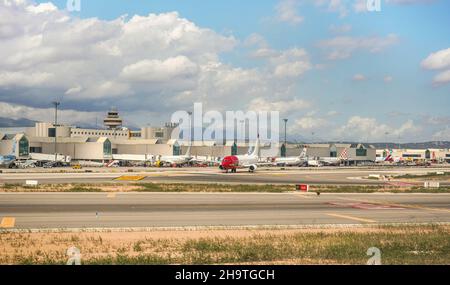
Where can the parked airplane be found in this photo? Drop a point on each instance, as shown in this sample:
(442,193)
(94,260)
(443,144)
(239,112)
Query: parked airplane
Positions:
(328,161)
(292,160)
(314,162)
(388,158)
(233,162)
(177,160)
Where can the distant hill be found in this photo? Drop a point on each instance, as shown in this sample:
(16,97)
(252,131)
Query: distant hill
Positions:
(383,145)
(11,123)
(421,145)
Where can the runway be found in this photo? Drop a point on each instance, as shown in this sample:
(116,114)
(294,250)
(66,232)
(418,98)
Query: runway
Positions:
(341,176)
(126,210)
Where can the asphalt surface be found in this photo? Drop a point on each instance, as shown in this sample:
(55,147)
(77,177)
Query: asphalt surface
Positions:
(123,210)
(347,176)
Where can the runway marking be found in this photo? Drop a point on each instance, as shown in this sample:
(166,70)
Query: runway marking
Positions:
(366,206)
(130,178)
(111,195)
(8,222)
(352,218)
(385,203)
(302,195)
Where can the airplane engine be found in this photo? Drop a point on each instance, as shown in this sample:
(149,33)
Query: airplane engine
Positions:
(252,168)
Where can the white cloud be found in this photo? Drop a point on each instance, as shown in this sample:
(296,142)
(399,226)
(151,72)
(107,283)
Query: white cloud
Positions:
(148,63)
(442,135)
(287,12)
(335,6)
(441,78)
(340,29)
(437,60)
(388,79)
(308,123)
(359,77)
(369,129)
(15,111)
(343,47)
(284,107)
(42,8)
(159,71)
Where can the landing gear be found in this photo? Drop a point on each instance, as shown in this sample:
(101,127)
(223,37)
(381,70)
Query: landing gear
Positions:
(234,170)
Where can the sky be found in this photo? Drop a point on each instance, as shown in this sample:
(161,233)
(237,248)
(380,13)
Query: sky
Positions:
(335,69)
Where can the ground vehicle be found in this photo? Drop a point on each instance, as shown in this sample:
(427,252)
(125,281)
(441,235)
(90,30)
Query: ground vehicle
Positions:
(77,166)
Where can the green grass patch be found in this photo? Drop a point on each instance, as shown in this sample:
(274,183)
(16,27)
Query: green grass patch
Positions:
(428,175)
(151,187)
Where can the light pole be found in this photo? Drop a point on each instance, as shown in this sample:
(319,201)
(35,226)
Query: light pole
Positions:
(285,126)
(285,137)
(56,103)
(190,128)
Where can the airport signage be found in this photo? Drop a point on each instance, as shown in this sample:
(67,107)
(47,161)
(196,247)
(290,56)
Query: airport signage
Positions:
(302,187)
(31,182)
(431,184)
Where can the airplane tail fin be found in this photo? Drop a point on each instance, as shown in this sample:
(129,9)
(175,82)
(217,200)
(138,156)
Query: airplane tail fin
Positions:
(344,154)
(303,153)
(188,152)
(256,149)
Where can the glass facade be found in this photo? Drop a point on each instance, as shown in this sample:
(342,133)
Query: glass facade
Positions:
(24,147)
(283,150)
(107,149)
(234,149)
(176,149)
(361,152)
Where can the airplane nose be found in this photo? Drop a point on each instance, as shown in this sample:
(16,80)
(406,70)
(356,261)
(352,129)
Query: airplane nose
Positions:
(229,162)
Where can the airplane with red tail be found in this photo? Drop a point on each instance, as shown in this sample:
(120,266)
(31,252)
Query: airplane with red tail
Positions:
(234,162)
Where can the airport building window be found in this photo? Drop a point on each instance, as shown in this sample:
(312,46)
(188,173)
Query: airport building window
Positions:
(107,148)
(176,150)
(333,154)
(36,149)
(51,132)
(361,152)
(407,155)
(24,147)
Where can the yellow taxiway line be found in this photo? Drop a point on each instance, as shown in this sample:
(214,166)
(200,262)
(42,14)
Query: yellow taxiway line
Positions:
(8,222)
(130,178)
(352,218)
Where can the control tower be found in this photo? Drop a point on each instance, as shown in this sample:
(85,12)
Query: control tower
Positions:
(112,120)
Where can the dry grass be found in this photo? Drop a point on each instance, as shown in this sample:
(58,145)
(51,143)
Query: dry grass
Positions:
(221,188)
(399,245)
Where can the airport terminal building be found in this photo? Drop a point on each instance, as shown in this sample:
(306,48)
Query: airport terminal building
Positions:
(103,145)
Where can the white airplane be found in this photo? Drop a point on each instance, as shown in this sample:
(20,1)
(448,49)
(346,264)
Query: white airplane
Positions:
(313,162)
(27,164)
(250,161)
(388,158)
(334,160)
(177,160)
(292,160)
